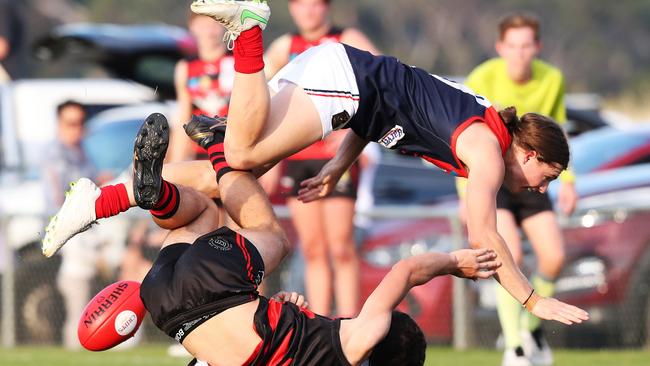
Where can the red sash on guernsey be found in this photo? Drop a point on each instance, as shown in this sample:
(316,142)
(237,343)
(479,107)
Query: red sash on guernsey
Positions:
(317,150)
(494,123)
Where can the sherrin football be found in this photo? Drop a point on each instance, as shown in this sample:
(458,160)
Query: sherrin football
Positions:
(111,317)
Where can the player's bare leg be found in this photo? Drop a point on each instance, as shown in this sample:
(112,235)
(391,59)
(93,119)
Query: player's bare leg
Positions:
(242,196)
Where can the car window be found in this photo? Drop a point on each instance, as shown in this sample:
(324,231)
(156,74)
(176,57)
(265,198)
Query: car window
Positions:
(116,138)
(590,152)
(156,70)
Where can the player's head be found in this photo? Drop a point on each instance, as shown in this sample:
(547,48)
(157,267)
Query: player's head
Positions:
(538,153)
(518,44)
(206,31)
(309,15)
(71,117)
(403,345)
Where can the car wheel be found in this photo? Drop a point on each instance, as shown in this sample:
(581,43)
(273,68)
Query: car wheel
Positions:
(634,321)
(646,343)
(39,306)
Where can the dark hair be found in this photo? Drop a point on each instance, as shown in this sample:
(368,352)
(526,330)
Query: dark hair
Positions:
(519,20)
(540,133)
(69,103)
(404,344)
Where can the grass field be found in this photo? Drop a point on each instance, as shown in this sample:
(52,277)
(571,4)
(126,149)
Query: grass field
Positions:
(155,355)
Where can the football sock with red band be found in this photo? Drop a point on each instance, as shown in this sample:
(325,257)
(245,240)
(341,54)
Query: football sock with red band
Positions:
(218,160)
(249,51)
(170,199)
(112,200)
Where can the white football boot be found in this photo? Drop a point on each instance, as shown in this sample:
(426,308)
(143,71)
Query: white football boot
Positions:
(235,15)
(536,347)
(515,357)
(76,215)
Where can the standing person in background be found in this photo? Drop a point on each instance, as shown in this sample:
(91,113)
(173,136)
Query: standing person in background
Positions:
(517,78)
(203,84)
(96,251)
(11,39)
(325,228)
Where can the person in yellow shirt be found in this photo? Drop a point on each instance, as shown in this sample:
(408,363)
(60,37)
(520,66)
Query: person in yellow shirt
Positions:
(517,78)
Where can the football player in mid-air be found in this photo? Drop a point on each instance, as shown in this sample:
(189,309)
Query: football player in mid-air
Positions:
(334,86)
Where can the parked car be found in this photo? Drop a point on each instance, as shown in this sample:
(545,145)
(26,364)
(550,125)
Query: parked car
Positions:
(146,54)
(583,113)
(607,268)
(142,55)
(609,147)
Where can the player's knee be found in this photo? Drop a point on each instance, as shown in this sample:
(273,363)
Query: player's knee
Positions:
(551,263)
(314,252)
(238,158)
(343,254)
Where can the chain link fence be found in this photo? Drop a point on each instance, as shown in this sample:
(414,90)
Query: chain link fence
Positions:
(607,272)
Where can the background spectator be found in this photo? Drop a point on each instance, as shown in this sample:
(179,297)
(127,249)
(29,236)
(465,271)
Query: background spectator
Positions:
(203,83)
(97,251)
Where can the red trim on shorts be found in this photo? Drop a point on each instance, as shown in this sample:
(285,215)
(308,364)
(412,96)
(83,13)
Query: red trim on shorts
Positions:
(333,96)
(242,245)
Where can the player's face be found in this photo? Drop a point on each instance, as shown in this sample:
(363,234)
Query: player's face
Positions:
(530,173)
(308,14)
(518,48)
(206,31)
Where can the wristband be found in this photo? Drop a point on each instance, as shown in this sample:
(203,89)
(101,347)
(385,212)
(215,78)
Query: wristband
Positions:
(532,300)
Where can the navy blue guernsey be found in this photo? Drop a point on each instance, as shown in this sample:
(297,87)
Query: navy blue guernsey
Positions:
(405,108)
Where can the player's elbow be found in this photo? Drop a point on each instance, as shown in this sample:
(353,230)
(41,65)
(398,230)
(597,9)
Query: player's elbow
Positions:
(405,268)
(483,239)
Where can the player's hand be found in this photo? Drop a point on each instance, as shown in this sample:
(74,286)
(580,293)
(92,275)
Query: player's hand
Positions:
(292,297)
(549,308)
(321,185)
(567,197)
(475,263)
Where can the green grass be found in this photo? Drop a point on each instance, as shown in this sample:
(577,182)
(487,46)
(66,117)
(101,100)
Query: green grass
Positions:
(447,356)
(156,355)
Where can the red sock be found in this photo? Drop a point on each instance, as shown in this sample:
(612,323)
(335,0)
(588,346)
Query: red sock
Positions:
(112,201)
(218,160)
(170,199)
(249,51)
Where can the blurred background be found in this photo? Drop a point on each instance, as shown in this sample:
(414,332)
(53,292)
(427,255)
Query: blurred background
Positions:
(116,59)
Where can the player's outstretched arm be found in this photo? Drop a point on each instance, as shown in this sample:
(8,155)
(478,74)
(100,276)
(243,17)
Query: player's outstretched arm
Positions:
(486,171)
(359,335)
(323,184)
